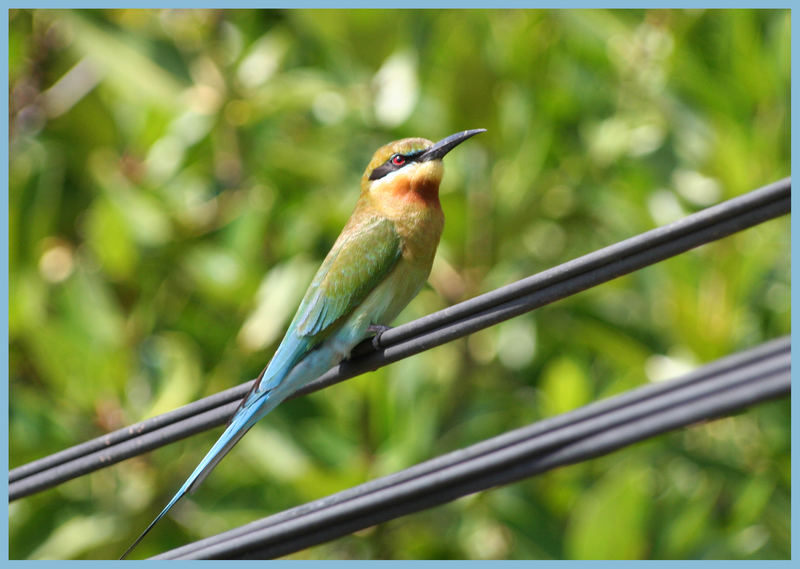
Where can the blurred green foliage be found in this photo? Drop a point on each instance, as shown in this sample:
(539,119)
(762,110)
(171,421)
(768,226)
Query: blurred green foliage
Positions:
(176,177)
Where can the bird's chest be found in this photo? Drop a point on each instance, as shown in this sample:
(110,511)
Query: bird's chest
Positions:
(419,233)
(417,217)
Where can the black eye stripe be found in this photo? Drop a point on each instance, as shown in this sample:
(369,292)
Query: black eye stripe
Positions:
(388,166)
(382,170)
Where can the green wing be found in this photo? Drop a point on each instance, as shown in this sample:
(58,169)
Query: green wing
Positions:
(358,262)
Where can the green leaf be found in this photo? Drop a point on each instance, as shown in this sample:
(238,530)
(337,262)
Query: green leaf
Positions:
(609,521)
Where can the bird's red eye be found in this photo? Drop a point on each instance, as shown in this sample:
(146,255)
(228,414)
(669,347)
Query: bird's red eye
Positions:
(398,160)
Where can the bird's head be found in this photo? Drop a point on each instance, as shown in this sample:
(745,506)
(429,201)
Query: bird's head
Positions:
(410,168)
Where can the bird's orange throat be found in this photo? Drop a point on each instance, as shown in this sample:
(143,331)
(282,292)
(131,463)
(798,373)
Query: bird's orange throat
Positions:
(415,193)
(415,189)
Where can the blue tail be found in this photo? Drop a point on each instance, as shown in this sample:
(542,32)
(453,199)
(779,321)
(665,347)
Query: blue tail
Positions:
(245,417)
(297,361)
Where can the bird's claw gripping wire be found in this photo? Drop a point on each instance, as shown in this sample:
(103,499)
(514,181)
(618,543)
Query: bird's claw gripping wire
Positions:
(378,330)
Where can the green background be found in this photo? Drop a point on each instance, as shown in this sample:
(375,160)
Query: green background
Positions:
(177,176)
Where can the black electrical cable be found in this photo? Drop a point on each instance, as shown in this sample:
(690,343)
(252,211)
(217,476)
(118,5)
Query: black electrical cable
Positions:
(714,390)
(435,329)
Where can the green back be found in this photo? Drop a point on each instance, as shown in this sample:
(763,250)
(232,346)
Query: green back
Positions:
(353,268)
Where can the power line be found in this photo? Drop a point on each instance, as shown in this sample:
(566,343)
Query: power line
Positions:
(424,333)
(717,389)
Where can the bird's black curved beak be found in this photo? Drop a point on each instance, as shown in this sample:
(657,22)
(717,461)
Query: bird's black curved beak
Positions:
(447,144)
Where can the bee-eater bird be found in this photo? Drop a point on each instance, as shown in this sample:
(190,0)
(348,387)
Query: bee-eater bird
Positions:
(376,266)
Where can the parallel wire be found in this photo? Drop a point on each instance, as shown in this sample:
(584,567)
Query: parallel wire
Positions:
(424,333)
(717,389)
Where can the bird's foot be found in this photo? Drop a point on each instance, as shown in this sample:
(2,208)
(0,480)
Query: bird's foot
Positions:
(378,330)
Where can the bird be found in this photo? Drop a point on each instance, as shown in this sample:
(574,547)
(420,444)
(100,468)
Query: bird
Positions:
(379,262)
